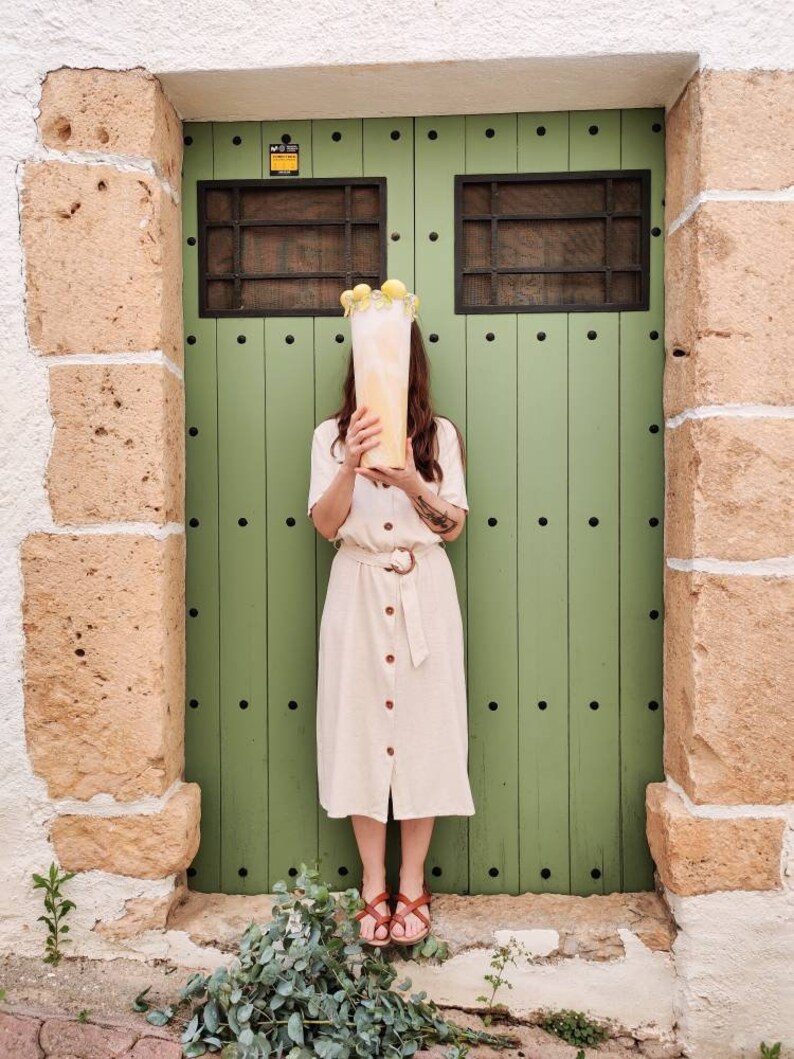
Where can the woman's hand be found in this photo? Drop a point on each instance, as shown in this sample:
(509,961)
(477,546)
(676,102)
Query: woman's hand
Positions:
(406,478)
(361,431)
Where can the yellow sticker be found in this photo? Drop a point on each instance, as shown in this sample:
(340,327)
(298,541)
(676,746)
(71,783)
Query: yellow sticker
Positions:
(284,158)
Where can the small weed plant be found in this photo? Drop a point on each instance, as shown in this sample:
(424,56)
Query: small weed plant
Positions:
(574,1027)
(303,985)
(504,955)
(57,907)
(770,1051)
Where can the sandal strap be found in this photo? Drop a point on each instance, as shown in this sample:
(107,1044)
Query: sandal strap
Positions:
(381,919)
(413,907)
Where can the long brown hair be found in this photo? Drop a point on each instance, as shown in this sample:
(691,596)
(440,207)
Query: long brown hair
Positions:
(421,422)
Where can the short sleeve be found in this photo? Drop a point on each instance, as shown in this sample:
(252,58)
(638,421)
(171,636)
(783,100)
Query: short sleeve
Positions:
(453,485)
(323,465)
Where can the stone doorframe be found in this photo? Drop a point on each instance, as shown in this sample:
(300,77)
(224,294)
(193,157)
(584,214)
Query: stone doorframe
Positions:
(104,586)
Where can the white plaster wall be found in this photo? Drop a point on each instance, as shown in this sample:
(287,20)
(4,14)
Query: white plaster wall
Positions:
(286,58)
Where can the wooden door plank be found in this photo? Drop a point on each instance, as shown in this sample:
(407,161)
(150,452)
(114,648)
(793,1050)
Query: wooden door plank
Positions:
(291,607)
(641,502)
(439,153)
(543,559)
(492,147)
(243,565)
(593,560)
(202,716)
(338,853)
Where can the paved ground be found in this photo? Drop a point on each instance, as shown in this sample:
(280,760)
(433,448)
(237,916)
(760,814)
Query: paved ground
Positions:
(38,1019)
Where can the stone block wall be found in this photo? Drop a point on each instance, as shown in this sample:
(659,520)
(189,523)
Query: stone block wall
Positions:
(721,826)
(103,604)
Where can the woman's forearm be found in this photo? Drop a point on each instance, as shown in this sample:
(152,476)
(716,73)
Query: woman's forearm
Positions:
(331,510)
(443,518)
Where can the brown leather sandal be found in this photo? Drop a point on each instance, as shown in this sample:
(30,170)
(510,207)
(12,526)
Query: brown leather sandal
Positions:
(412,906)
(381,919)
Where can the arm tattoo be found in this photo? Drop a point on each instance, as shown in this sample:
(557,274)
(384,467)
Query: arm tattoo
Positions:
(438,521)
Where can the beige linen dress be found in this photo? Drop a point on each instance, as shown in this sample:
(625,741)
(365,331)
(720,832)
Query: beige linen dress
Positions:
(391,687)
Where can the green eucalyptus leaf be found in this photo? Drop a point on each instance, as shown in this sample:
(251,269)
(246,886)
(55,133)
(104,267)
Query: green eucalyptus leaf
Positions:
(295,1027)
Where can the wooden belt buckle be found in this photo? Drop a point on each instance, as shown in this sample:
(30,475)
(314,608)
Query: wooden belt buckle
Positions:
(399,569)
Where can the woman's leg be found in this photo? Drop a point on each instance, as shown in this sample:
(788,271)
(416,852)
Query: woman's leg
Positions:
(371,839)
(415,836)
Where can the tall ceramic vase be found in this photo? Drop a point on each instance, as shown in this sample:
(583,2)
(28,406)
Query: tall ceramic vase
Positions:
(381,336)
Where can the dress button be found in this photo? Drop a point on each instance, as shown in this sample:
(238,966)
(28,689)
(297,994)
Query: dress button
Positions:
(390,750)
(389,704)
(388,525)
(389,658)
(390,610)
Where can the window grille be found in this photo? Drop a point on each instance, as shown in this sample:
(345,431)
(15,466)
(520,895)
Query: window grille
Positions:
(288,247)
(552,242)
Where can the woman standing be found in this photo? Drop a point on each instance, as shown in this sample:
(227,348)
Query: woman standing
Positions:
(391,691)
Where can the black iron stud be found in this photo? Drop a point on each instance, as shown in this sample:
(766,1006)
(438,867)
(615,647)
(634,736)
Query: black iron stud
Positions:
(193,522)
(191,340)
(491,521)
(593,521)
(292,704)
(493,706)
(290,521)
(241,340)
(192,431)
(395,134)
(243,704)
(336,136)
(543,705)
(243,521)
(191,240)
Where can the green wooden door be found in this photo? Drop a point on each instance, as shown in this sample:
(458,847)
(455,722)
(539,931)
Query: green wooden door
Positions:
(559,569)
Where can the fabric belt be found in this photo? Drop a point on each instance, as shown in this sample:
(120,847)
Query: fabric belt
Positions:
(401,561)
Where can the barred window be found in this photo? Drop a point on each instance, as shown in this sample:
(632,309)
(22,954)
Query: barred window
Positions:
(288,247)
(552,242)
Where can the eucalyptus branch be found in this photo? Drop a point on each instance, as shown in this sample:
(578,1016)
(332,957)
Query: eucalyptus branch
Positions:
(279,995)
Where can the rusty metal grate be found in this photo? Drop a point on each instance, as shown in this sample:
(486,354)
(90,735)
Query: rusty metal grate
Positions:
(288,247)
(552,242)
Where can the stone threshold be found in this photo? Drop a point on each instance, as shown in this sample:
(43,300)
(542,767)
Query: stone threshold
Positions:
(551,926)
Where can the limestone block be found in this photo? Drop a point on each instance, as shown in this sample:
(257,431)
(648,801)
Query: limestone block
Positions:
(729,306)
(120,112)
(729,129)
(118,451)
(104,662)
(729,490)
(140,914)
(728,674)
(696,855)
(145,845)
(102,260)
